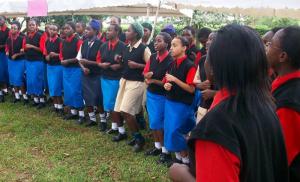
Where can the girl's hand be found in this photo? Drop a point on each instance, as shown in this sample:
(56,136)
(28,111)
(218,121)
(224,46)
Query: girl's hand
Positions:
(29,46)
(104,65)
(148,81)
(168,86)
(114,67)
(148,75)
(132,64)
(118,58)
(170,78)
(86,71)
(204,85)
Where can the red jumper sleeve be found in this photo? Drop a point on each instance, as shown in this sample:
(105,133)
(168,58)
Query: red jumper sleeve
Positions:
(212,159)
(198,57)
(98,57)
(60,52)
(190,76)
(290,122)
(147,67)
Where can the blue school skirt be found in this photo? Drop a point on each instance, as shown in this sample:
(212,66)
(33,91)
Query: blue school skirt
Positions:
(3,68)
(35,77)
(72,87)
(156,109)
(16,70)
(55,80)
(109,90)
(179,120)
(91,90)
(45,76)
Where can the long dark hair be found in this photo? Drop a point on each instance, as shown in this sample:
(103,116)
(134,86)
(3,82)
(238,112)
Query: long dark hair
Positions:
(239,63)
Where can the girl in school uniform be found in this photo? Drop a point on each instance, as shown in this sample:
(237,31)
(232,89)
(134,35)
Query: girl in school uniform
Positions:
(132,87)
(4,32)
(192,52)
(154,73)
(33,46)
(16,61)
(54,68)
(283,55)
(71,73)
(111,51)
(179,103)
(241,133)
(88,57)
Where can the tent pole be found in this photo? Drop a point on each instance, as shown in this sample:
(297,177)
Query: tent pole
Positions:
(148,11)
(155,21)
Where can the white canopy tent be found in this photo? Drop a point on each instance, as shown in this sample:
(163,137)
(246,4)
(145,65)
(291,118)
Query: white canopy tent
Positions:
(257,8)
(15,8)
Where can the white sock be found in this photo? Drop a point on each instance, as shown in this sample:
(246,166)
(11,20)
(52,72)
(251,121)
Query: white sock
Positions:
(1,92)
(25,97)
(5,90)
(107,114)
(185,160)
(92,116)
(59,106)
(157,145)
(178,156)
(56,106)
(36,100)
(114,126)
(20,92)
(42,100)
(74,111)
(164,150)
(17,95)
(102,118)
(81,113)
(121,130)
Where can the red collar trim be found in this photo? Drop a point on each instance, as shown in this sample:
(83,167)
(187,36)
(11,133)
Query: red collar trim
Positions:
(112,44)
(53,39)
(31,34)
(69,39)
(162,57)
(180,60)
(282,79)
(220,96)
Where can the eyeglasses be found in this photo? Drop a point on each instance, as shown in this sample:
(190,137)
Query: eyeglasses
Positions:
(269,44)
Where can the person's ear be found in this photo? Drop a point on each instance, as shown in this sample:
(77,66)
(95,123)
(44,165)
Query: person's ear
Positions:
(283,57)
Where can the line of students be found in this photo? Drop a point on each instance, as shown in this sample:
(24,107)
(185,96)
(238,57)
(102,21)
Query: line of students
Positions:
(115,77)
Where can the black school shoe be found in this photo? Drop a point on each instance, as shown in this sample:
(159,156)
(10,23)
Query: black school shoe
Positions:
(80,120)
(70,116)
(16,100)
(91,123)
(2,99)
(131,142)
(119,137)
(25,101)
(41,105)
(102,126)
(111,131)
(60,112)
(139,144)
(153,152)
(165,159)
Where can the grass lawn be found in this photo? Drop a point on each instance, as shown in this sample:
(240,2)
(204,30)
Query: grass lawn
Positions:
(39,146)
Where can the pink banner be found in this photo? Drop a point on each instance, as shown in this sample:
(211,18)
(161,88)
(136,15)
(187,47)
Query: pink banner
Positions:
(37,8)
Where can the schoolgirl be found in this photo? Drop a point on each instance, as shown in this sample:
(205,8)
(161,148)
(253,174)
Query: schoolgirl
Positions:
(111,52)
(154,73)
(192,52)
(71,73)
(54,68)
(16,62)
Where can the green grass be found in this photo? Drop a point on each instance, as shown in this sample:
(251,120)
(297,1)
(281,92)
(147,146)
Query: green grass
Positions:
(39,146)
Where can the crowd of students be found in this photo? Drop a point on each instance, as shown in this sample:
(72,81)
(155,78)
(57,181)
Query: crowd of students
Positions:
(245,129)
